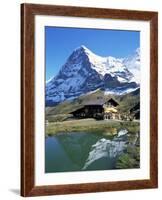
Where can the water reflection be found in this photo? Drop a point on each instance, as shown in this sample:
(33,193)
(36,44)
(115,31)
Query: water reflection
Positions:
(86,151)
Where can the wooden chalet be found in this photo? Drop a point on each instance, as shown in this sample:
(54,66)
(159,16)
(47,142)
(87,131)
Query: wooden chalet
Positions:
(110,110)
(98,109)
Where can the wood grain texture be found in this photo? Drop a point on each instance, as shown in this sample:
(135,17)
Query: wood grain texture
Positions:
(27,101)
(154,99)
(28,12)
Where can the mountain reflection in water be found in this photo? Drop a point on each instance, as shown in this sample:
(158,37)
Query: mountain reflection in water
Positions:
(86,151)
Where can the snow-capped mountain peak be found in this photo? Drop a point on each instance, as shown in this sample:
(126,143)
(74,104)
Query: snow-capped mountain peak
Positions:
(132,62)
(84,71)
(102,65)
(82,48)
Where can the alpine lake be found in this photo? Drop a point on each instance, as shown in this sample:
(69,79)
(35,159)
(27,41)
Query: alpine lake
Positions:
(105,148)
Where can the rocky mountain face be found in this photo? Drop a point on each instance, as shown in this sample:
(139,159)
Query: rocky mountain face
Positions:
(85,72)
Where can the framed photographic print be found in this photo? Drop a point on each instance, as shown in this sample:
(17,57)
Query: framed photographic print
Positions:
(89,99)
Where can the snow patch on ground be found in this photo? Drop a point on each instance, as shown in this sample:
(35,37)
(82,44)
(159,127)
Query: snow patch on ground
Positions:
(118,91)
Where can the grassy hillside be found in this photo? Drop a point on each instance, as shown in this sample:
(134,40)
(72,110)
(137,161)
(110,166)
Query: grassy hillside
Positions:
(129,100)
(126,102)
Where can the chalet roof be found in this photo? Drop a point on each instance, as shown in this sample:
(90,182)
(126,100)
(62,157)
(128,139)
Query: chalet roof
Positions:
(95,102)
(77,109)
(112,101)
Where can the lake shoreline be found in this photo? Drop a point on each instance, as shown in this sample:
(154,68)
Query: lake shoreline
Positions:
(85,151)
(90,125)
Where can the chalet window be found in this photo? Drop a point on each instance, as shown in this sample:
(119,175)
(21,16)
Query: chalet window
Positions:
(109,104)
(86,110)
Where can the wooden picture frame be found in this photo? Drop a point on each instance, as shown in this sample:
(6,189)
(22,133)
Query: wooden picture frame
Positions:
(28,13)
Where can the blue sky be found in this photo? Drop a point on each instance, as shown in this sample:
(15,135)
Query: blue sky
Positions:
(60,42)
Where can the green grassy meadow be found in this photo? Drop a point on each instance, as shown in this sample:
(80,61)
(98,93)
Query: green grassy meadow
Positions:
(91,125)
